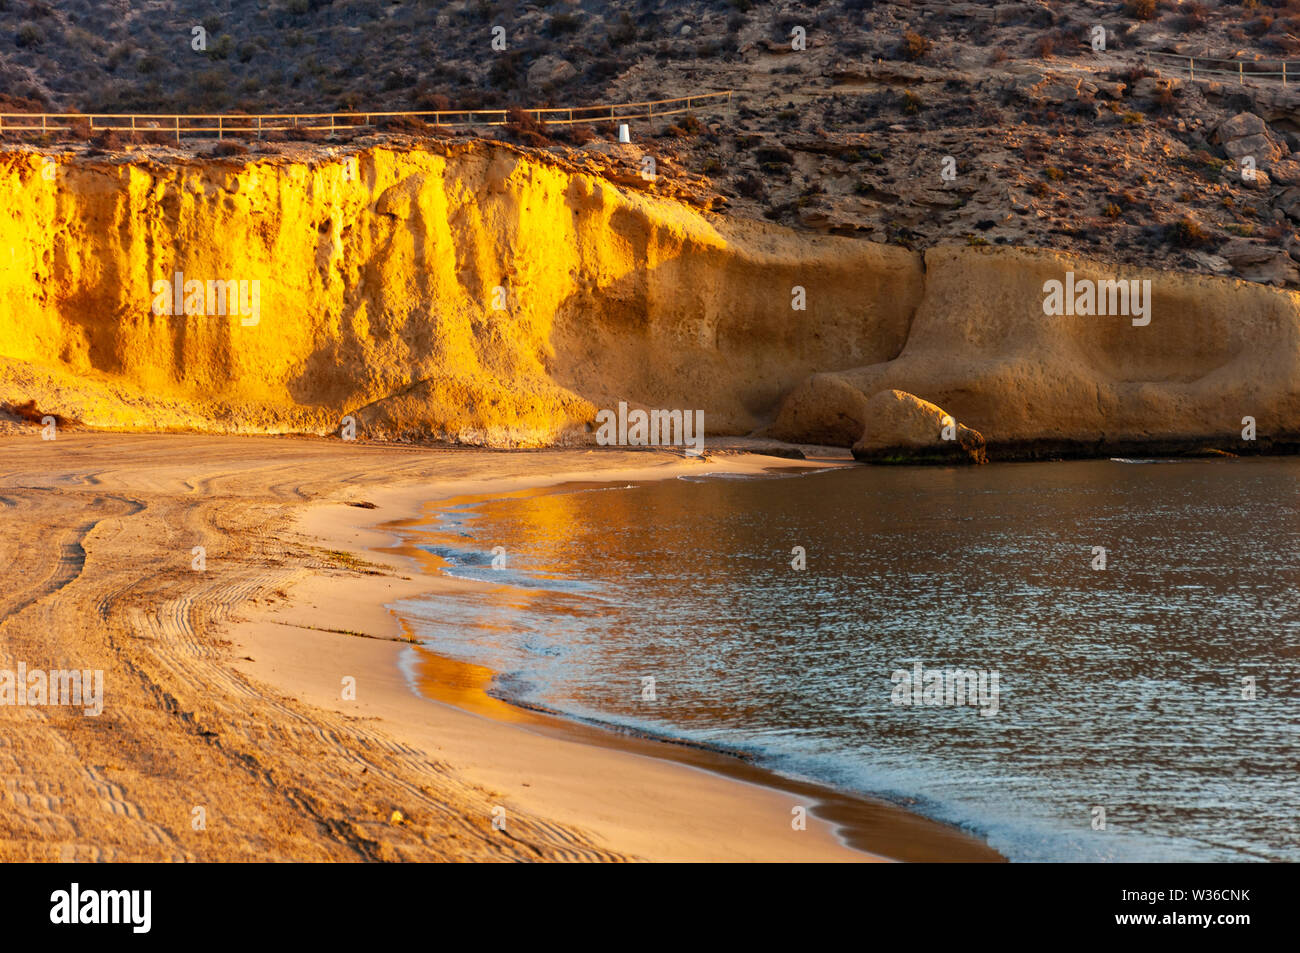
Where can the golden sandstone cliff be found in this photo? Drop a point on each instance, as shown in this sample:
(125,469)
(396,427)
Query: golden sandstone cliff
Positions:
(481,294)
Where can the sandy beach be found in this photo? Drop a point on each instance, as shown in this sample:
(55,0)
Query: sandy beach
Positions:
(228,730)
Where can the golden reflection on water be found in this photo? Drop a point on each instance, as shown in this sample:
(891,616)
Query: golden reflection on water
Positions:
(1111,680)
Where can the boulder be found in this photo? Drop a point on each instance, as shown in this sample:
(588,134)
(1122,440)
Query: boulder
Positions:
(1111,90)
(1153,87)
(1273,102)
(1008,12)
(824,409)
(1256,261)
(1065,91)
(1050,86)
(1215,264)
(1240,126)
(903,428)
(970,11)
(1243,252)
(1289,203)
(1285,172)
(1255,179)
(1245,134)
(1263,148)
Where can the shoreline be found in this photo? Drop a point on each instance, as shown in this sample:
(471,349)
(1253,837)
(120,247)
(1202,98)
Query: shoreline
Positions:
(233,590)
(874,828)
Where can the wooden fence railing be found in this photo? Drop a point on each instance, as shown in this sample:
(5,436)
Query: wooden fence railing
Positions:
(1202,67)
(255,124)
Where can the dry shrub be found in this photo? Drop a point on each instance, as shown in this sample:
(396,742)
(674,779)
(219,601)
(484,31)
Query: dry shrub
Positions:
(687,127)
(410,125)
(110,140)
(1141,9)
(751,187)
(1194,17)
(79,126)
(432,102)
(1260,25)
(915,46)
(1187,233)
(19,104)
(523,127)
(576,134)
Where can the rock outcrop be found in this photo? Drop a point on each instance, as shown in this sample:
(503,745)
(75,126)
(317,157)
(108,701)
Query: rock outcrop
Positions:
(1245,134)
(902,428)
(1215,352)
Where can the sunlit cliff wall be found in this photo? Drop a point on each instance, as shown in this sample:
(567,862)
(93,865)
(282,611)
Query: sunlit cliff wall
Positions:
(377,280)
(377,277)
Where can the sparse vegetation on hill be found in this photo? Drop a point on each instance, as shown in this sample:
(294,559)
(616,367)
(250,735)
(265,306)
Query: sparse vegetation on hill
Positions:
(843,116)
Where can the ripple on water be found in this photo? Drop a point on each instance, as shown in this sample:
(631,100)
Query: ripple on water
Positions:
(1119,689)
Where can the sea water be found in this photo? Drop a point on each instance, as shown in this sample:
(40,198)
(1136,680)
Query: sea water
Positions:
(1148,710)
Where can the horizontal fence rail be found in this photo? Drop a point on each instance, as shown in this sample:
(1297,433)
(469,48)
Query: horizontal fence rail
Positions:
(1204,67)
(255,124)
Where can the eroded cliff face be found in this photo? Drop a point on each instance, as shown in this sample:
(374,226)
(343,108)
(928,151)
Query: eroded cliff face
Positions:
(485,295)
(1214,352)
(476,294)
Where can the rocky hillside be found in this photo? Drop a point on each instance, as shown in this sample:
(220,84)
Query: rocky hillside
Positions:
(909,123)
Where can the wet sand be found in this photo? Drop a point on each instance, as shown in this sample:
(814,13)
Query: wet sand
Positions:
(226,733)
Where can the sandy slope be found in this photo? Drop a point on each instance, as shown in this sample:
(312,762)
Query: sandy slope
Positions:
(97,538)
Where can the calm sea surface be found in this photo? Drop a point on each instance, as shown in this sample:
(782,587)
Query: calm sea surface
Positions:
(1119,690)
